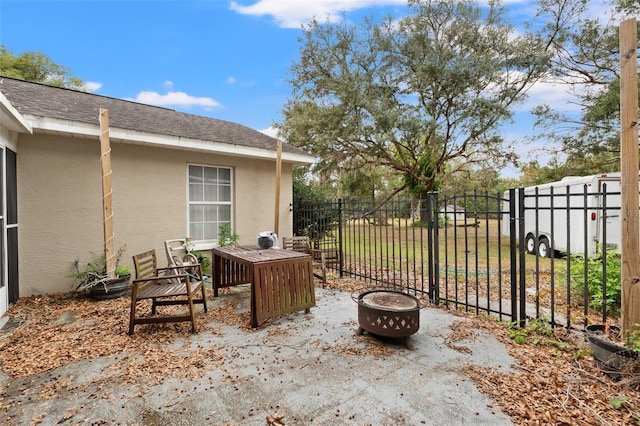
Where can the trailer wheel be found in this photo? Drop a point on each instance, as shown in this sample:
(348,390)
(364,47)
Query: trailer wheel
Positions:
(543,247)
(531,244)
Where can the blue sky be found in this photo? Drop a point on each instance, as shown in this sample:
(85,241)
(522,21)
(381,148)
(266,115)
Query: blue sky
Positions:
(218,58)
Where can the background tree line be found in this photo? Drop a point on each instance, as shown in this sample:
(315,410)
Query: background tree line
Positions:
(37,67)
(415,105)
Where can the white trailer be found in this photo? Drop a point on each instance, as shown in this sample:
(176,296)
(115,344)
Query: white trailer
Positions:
(547,218)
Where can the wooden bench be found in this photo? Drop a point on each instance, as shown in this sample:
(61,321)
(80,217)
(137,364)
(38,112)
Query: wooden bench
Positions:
(165,286)
(303,245)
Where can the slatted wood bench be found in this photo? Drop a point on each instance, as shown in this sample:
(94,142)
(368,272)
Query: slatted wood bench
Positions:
(165,286)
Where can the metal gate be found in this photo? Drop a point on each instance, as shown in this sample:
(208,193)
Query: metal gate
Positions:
(475,254)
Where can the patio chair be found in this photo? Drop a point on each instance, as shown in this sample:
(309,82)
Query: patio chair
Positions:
(328,245)
(303,245)
(178,252)
(179,255)
(165,286)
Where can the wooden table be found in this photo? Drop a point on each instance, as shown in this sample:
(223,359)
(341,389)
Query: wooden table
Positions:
(281,280)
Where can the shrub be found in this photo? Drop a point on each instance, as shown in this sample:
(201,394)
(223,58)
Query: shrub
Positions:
(595,283)
(317,212)
(226,237)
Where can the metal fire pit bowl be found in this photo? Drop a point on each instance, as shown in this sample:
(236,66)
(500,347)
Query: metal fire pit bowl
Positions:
(388,313)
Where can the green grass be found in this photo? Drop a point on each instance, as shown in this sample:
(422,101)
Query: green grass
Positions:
(399,241)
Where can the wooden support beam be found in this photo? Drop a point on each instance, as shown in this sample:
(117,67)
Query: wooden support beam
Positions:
(107,205)
(276,221)
(630,271)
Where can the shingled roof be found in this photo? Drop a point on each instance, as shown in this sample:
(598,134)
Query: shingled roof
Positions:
(41,100)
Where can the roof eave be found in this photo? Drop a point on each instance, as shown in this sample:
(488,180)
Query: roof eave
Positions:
(11,118)
(73,128)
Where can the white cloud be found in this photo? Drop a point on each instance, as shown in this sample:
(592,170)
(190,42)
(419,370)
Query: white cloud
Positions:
(92,86)
(247,83)
(270,131)
(554,94)
(175,98)
(293,13)
(168,83)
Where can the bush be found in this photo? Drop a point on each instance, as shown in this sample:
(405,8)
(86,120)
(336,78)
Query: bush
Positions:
(317,212)
(595,285)
(226,237)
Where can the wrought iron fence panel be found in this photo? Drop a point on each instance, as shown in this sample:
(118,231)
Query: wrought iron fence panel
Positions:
(474,261)
(578,227)
(465,251)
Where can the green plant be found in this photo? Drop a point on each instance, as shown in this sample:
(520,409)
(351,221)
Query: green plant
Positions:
(533,330)
(443,220)
(617,403)
(596,284)
(633,340)
(95,271)
(317,212)
(519,336)
(226,237)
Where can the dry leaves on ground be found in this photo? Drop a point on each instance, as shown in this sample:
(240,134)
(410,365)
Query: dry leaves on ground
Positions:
(275,420)
(555,380)
(55,330)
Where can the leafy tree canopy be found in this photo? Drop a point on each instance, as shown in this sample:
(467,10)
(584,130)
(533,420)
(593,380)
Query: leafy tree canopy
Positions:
(412,95)
(37,67)
(586,62)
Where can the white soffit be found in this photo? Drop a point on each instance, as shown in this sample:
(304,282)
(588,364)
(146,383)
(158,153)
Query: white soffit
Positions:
(73,128)
(11,118)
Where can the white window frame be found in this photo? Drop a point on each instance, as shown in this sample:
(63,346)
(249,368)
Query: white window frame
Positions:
(209,243)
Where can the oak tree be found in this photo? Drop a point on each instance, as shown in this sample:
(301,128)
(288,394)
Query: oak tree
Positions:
(413,94)
(586,64)
(37,67)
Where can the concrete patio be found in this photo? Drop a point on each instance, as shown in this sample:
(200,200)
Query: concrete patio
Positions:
(303,369)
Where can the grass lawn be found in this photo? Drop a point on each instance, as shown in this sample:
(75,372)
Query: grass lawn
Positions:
(474,262)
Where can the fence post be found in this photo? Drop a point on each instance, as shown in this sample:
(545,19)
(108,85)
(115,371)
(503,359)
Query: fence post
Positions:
(605,305)
(513,253)
(522,269)
(340,253)
(432,226)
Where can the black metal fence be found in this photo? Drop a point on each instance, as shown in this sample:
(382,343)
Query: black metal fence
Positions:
(466,251)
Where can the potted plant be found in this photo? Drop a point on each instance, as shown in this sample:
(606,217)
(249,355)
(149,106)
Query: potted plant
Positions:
(612,356)
(93,278)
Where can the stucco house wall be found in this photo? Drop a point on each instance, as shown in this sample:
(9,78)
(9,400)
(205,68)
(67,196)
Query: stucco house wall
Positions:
(60,203)
(60,206)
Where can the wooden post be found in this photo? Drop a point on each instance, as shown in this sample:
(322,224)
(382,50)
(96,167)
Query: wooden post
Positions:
(630,271)
(107,207)
(276,222)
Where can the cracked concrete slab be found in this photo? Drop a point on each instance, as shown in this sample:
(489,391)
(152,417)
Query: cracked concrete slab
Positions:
(312,368)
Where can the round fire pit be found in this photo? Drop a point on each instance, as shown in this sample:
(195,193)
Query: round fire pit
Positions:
(388,313)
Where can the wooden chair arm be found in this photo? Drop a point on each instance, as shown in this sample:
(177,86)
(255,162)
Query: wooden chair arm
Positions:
(159,278)
(184,265)
(320,252)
